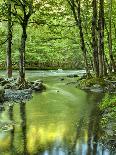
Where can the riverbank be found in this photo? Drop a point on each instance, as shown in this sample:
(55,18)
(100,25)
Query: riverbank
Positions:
(106,84)
(108,118)
(107,106)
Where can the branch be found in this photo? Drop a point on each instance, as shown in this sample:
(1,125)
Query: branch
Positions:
(4,41)
(17,16)
(72,5)
(16,2)
(30,11)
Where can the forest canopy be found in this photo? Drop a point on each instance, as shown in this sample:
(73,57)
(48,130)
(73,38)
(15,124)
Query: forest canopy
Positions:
(68,34)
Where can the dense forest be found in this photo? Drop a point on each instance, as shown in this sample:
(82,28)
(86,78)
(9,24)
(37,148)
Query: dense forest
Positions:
(58,70)
(60,34)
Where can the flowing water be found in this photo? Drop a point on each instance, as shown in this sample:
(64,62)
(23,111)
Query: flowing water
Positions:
(63,120)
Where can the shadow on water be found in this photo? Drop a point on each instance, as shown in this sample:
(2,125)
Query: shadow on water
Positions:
(23,126)
(93,135)
(93,132)
(12,148)
(12,132)
(78,132)
(93,146)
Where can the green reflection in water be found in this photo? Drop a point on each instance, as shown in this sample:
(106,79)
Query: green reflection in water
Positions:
(53,122)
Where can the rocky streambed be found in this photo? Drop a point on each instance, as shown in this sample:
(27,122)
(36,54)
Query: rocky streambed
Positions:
(10,90)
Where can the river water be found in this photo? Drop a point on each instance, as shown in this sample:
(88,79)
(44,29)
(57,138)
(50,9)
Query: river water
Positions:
(63,120)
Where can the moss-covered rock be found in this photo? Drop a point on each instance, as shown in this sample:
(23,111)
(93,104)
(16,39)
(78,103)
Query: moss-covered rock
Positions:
(38,86)
(92,81)
(97,84)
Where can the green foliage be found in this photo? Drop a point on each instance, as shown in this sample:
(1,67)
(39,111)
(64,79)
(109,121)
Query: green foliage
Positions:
(108,117)
(108,101)
(53,37)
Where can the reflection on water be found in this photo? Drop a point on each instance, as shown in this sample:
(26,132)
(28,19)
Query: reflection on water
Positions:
(23,126)
(13,127)
(54,123)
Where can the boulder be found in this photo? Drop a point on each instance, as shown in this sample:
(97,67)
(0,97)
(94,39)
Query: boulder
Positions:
(96,88)
(72,75)
(61,79)
(38,86)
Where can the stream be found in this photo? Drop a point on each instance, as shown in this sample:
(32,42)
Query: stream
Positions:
(63,120)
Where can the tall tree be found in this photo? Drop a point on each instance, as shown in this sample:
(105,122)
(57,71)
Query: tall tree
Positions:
(9,42)
(101,37)
(76,9)
(112,63)
(26,9)
(95,38)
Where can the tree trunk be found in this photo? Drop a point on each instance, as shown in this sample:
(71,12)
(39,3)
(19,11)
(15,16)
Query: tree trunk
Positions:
(112,63)
(77,16)
(95,38)
(82,40)
(101,37)
(22,57)
(9,44)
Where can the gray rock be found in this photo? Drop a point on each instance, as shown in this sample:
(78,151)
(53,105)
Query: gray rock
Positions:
(61,79)
(38,81)
(72,75)
(18,95)
(38,86)
(96,88)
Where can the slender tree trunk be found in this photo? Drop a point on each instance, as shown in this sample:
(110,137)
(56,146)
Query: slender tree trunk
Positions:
(22,57)
(83,47)
(9,44)
(95,38)
(77,15)
(112,63)
(101,37)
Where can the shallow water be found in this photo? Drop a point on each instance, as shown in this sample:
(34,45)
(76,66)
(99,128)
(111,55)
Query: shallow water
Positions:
(62,120)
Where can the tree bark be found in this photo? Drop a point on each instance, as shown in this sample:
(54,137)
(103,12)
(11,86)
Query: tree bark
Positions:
(112,63)
(83,47)
(101,37)
(95,38)
(22,56)
(77,15)
(9,44)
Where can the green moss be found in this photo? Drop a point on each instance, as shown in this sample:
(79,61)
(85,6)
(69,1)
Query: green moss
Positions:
(92,81)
